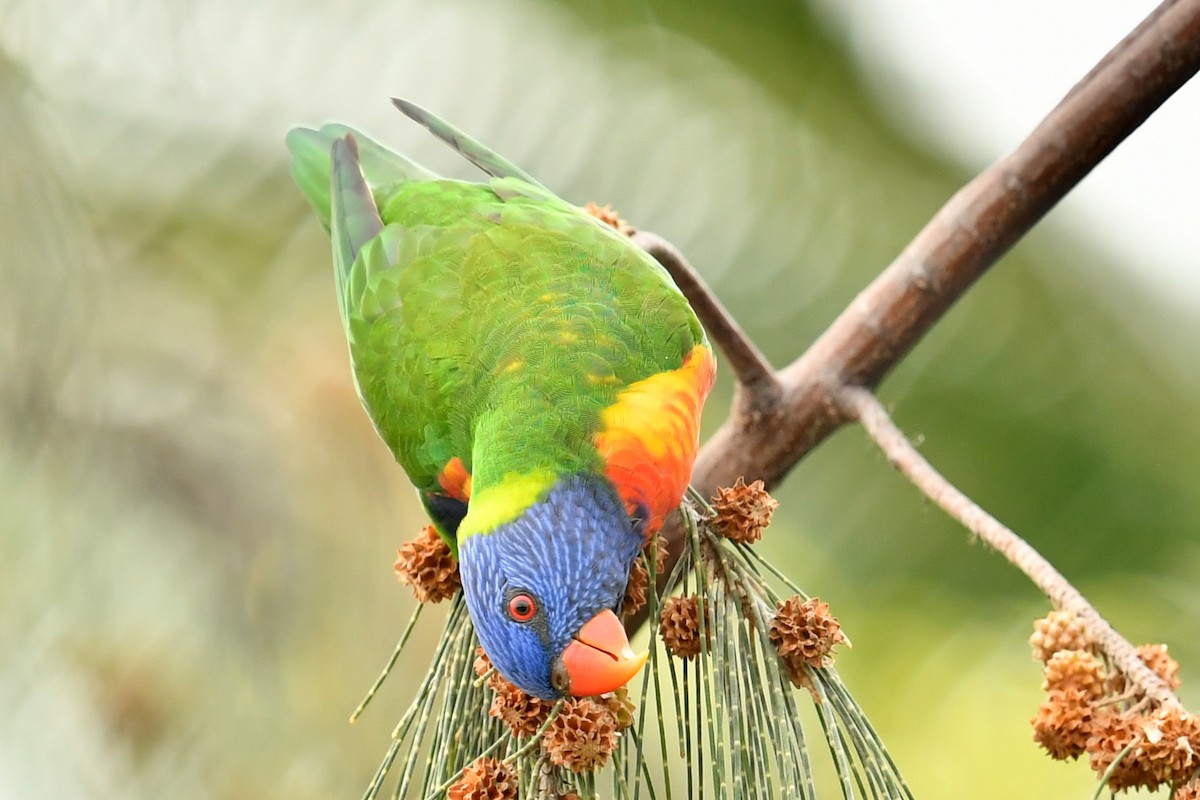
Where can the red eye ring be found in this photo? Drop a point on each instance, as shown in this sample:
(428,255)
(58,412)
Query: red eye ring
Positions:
(522,607)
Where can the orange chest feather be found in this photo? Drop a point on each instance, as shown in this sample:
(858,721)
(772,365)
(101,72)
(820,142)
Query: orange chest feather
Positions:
(648,441)
(455,480)
(650,435)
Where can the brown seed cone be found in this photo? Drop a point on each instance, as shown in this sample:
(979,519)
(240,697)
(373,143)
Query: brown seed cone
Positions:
(521,713)
(1156,657)
(1172,741)
(679,625)
(805,632)
(741,511)
(1159,660)
(610,217)
(1075,669)
(485,779)
(621,707)
(1189,791)
(1058,630)
(582,736)
(427,566)
(1064,722)
(482,663)
(635,590)
(801,678)
(639,576)
(1112,732)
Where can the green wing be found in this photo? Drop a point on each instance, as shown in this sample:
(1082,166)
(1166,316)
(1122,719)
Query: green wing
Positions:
(492,163)
(312,148)
(487,322)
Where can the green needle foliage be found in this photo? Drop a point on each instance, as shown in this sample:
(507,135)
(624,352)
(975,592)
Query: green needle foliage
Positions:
(731,719)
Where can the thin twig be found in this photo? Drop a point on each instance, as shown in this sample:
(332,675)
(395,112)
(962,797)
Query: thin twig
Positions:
(865,406)
(1108,773)
(408,629)
(969,234)
(749,365)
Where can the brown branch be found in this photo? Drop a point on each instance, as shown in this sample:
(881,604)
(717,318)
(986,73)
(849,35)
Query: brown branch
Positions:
(751,368)
(862,405)
(969,234)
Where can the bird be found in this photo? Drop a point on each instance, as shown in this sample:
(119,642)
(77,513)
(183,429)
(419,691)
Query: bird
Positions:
(539,377)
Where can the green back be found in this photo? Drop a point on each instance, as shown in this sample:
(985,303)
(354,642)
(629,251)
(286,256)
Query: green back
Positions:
(501,343)
(489,322)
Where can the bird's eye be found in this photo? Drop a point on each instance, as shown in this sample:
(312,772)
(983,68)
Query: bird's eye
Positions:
(521,607)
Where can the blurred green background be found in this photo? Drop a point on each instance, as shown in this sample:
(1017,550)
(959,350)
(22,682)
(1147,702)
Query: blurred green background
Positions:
(198,525)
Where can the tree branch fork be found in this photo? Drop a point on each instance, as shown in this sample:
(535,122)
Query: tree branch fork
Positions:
(778,416)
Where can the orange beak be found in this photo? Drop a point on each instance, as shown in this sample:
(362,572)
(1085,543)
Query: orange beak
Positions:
(600,659)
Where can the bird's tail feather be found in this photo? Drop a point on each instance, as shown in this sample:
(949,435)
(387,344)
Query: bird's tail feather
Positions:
(471,149)
(354,217)
(312,150)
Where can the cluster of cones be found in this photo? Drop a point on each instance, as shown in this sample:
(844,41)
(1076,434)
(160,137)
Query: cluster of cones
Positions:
(581,737)
(803,631)
(427,565)
(491,779)
(584,734)
(1090,708)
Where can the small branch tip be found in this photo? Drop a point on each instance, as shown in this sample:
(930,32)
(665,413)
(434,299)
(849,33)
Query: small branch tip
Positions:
(749,365)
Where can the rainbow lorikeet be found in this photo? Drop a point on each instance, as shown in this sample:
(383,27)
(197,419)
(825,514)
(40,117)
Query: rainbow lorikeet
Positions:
(538,376)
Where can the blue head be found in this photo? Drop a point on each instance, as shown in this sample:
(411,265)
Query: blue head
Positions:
(542,589)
